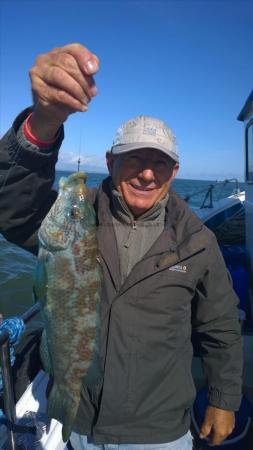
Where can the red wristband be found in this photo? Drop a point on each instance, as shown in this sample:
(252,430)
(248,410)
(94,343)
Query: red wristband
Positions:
(31,138)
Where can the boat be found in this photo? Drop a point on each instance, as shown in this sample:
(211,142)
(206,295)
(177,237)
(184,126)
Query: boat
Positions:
(33,428)
(225,216)
(25,424)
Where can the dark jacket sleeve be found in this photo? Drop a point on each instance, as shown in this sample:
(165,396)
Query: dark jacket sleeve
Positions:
(215,321)
(26,187)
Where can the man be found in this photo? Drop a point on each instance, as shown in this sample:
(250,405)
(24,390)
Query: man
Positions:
(163,272)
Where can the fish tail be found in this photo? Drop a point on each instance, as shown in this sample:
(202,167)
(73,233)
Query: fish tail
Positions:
(66,432)
(63,409)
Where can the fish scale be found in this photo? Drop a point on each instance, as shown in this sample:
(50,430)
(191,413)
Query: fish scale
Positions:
(68,284)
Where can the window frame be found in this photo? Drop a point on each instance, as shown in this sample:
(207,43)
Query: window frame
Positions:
(248,175)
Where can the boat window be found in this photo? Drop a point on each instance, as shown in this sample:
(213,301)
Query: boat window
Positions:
(249,152)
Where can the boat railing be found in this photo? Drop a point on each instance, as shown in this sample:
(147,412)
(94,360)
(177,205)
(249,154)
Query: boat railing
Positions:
(7,378)
(208,198)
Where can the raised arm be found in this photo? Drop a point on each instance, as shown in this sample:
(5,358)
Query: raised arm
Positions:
(62,84)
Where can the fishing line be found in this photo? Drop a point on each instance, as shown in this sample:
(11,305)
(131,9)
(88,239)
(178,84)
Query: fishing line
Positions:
(79,153)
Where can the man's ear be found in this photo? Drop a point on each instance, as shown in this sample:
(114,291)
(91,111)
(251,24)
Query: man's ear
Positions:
(175,170)
(109,161)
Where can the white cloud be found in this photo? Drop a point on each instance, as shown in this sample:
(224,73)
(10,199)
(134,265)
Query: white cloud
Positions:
(69,159)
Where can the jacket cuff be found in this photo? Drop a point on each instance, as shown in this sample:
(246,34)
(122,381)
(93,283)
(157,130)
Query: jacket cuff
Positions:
(29,145)
(33,139)
(223,400)
(24,153)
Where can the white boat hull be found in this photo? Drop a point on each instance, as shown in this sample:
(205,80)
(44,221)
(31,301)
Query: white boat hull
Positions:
(220,207)
(34,401)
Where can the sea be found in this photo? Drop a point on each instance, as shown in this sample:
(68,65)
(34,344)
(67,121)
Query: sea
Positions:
(17,265)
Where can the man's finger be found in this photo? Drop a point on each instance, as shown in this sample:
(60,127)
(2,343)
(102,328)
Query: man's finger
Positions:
(216,438)
(68,64)
(50,96)
(58,78)
(205,430)
(87,61)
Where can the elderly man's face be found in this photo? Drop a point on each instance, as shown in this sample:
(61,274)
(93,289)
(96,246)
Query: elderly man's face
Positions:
(143,177)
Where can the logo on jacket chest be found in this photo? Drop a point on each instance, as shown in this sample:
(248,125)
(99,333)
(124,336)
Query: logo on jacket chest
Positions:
(179,268)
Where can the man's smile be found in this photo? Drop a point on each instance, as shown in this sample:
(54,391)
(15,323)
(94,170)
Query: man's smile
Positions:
(142,188)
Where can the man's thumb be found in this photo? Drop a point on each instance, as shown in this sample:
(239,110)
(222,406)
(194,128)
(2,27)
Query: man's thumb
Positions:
(205,430)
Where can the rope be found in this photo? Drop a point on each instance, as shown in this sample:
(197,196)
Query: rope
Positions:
(15,327)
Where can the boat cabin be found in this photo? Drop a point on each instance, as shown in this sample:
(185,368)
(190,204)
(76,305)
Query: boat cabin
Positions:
(246,116)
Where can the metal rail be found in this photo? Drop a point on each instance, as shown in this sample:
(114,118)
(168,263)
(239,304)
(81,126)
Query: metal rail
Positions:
(209,192)
(8,387)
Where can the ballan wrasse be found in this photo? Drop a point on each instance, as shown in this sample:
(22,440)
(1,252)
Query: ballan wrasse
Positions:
(68,284)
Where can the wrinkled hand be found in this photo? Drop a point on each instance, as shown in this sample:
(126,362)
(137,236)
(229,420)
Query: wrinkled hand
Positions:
(62,83)
(217,425)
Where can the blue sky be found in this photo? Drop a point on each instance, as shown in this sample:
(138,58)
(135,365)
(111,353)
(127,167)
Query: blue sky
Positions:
(187,62)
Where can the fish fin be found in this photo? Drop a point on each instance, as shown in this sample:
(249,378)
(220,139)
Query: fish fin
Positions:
(95,372)
(62,182)
(40,282)
(63,409)
(45,354)
(39,290)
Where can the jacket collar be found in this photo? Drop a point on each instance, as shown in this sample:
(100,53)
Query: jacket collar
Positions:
(105,232)
(179,240)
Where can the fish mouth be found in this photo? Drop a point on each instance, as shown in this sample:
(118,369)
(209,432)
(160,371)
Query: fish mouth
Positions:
(73,179)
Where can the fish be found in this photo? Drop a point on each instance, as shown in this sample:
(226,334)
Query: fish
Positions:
(68,281)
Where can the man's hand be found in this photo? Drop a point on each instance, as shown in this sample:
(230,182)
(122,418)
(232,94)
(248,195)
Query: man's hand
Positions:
(62,83)
(217,425)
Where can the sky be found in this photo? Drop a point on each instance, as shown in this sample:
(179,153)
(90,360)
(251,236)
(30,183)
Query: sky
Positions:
(188,63)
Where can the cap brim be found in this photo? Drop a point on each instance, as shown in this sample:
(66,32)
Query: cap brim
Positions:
(124,148)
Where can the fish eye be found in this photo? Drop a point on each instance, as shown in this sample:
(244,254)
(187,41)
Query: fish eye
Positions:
(74,212)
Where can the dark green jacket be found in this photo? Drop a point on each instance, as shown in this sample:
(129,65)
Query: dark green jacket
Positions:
(179,285)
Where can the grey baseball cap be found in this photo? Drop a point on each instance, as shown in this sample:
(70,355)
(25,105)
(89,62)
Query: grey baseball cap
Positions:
(145,132)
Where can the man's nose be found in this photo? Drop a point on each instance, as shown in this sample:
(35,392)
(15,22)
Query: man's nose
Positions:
(147,172)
